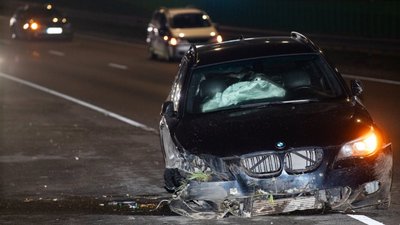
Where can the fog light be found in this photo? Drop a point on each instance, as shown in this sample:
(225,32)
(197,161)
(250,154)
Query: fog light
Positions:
(371,187)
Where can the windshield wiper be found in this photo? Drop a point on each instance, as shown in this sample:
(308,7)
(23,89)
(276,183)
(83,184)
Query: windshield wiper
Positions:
(265,104)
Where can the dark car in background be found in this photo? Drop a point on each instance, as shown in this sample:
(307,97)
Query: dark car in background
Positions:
(262,126)
(171,31)
(40,21)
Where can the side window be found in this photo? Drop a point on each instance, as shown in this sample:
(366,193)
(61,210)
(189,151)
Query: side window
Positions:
(154,19)
(163,21)
(175,95)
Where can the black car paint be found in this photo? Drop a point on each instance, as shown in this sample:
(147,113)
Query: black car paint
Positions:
(237,132)
(223,138)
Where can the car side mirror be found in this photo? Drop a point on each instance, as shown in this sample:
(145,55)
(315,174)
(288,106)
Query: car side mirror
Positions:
(356,87)
(170,115)
(167,109)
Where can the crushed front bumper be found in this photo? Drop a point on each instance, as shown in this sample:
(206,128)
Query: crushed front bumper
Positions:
(337,186)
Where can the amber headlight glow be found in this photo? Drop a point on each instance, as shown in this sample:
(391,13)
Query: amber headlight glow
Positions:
(34,26)
(365,146)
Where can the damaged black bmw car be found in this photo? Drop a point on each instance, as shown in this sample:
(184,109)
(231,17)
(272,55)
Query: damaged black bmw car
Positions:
(262,126)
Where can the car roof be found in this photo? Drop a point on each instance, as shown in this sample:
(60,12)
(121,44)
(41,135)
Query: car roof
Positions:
(246,48)
(175,11)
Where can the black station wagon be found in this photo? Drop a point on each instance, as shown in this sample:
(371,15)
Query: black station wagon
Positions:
(39,22)
(262,126)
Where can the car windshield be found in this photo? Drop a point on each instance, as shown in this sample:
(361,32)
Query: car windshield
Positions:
(190,20)
(258,82)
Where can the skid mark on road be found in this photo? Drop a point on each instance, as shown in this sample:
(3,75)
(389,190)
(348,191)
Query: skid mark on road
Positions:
(79,102)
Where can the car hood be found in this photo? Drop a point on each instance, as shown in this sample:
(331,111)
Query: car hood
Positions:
(201,32)
(234,133)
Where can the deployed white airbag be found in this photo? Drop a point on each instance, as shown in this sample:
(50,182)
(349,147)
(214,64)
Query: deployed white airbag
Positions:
(243,91)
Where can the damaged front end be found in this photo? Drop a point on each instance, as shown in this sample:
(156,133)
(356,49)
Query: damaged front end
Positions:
(274,182)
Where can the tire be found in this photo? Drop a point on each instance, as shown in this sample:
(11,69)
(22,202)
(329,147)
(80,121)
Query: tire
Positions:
(13,33)
(152,55)
(172,179)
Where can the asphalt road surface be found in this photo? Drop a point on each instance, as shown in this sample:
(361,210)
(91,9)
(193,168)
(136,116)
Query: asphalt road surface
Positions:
(78,139)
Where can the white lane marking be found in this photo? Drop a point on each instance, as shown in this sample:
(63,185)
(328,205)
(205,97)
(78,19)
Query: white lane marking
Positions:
(118,66)
(365,219)
(371,79)
(79,102)
(56,53)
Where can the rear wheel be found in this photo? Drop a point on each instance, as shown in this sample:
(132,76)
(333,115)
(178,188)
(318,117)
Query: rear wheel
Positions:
(151,53)
(14,35)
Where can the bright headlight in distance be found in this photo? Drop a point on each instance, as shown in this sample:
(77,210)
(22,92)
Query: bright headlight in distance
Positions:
(219,39)
(34,26)
(173,41)
(25,26)
(361,147)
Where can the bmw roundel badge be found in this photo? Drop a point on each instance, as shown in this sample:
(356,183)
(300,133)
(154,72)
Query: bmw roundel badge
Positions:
(280,145)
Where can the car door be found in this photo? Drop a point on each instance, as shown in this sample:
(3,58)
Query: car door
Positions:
(161,31)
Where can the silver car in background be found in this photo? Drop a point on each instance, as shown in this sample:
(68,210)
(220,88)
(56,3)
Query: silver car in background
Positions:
(171,32)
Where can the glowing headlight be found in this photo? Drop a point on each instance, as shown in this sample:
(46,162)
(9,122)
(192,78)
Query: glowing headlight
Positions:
(219,39)
(173,41)
(26,26)
(361,147)
(34,26)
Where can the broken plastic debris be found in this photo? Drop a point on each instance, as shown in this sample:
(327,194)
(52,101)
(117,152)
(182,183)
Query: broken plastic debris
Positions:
(130,204)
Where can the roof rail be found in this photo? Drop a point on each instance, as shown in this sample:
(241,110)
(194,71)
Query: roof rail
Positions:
(305,39)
